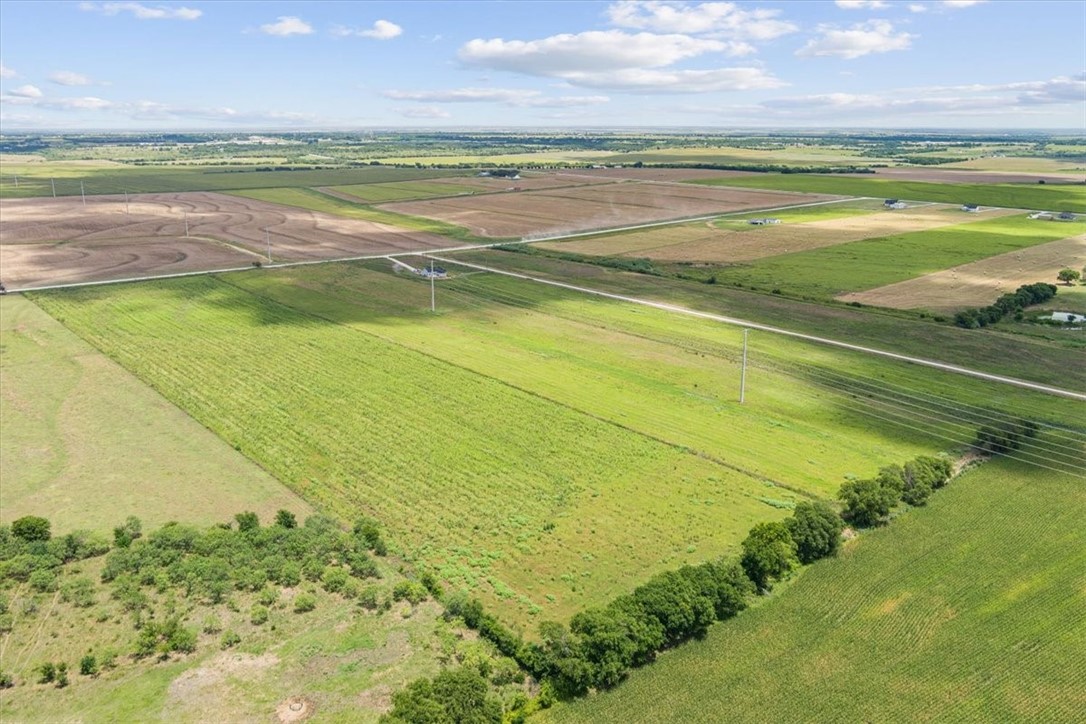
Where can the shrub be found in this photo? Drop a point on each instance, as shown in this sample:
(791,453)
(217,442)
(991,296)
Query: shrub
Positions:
(62,675)
(31,528)
(334,578)
(454,695)
(47,673)
(247,521)
(229,640)
(286,519)
(304,602)
(258,616)
(88,665)
(368,598)
(212,624)
(6,680)
(411,591)
(43,581)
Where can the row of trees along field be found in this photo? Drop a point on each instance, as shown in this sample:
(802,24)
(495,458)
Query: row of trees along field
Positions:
(207,567)
(600,645)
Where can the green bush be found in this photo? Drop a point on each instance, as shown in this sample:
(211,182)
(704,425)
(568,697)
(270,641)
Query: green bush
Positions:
(258,616)
(410,591)
(816,529)
(88,665)
(229,640)
(31,528)
(304,602)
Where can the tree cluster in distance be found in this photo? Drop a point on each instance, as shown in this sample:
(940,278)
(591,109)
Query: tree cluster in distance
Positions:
(868,502)
(1007,304)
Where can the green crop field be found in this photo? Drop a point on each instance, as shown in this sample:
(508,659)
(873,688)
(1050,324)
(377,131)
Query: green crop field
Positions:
(869,263)
(403,191)
(116,178)
(968,610)
(823,212)
(86,444)
(1014,196)
(316,201)
(1055,362)
(620,450)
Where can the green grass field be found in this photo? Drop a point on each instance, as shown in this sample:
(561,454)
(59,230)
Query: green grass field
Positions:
(403,191)
(869,263)
(968,610)
(825,212)
(316,201)
(1015,196)
(116,178)
(1051,362)
(86,444)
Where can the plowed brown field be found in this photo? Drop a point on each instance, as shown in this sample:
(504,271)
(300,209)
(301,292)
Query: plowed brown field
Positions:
(979,283)
(56,241)
(529,213)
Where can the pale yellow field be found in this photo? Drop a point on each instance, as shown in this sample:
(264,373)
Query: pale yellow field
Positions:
(705,243)
(979,283)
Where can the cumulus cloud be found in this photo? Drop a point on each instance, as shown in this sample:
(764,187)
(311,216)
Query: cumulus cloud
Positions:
(381,30)
(6,72)
(723,19)
(874,36)
(424,112)
(641,80)
(27,91)
(861,4)
(69,78)
(287,25)
(954,4)
(917,8)
(143,12)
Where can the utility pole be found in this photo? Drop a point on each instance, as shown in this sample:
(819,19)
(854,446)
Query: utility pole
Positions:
(433,293)
(267,240)
(743,374)
(186,223)
(53,181)
(83,194)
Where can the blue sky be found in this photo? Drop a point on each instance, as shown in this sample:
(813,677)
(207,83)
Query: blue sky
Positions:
(850,63)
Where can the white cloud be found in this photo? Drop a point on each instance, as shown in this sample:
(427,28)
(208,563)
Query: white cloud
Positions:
(639,80)
(861,4)
(381,30)
(917,8)
(874,36)
(27,91)
(594,51)
(67,77)
(6,72)
(723,19)
(287,25)
(463,95)
(954,4)
(424,112)
(509,96)
(143,12)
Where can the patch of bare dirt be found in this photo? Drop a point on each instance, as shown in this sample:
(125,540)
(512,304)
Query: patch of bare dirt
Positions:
(296,708)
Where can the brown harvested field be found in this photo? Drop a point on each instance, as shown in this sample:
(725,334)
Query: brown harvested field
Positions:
(965,176)
(978,283)
(57,241)
(652,174)
(529,213)
(530,182)
(706,243)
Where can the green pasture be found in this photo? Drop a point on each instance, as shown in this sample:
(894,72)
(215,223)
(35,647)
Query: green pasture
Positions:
(869,263)
(86,444)
(822,212)
(316,201)
(380,193)
(967,610)
(1015,196)
(499,489)
(991,350)
(116,178)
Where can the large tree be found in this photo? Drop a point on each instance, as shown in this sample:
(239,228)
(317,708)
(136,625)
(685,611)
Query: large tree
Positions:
(867,502)
(1068,276)
(769,553)
(816,529)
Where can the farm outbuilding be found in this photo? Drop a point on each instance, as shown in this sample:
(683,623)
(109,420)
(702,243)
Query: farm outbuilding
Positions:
(971,208)
(763,222)
(894,204)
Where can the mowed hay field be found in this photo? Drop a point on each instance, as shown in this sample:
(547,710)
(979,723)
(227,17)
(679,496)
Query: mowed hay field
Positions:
(499,444)
(54,241)
(735,240)
(980,283)
(86,444)
(970,609)
(869,263)
(525,213)
(1048,197)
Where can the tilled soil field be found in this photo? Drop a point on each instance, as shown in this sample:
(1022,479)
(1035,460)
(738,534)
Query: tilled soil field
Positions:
(54,241)
(979,283)
(530,213)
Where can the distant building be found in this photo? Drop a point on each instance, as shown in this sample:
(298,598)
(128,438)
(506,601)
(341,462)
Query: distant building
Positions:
(435,272)
(763,222)
(971,208)
(1066,216)
(893,204)
(1040,215)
